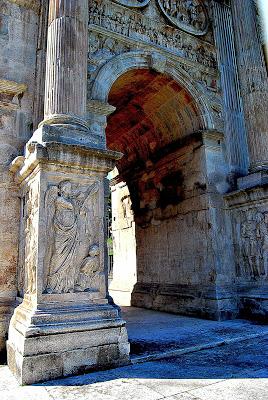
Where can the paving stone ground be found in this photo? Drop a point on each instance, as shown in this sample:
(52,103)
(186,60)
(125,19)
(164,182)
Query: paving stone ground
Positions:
(151,332)
(236,371)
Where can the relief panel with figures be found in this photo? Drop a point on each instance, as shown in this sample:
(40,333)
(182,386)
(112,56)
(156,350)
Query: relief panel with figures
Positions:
(72,261)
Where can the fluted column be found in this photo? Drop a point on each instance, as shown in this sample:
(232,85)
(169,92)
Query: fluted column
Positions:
(253,81)
(235,133)
(66,66)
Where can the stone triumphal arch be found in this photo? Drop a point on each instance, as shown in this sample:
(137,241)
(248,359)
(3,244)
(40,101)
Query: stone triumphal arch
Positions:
(171,96)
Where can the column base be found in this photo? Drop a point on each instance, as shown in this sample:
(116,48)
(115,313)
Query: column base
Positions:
(53,342)
(68,134)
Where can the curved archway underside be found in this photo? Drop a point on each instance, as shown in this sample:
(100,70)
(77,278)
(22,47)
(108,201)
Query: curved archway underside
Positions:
(154,115)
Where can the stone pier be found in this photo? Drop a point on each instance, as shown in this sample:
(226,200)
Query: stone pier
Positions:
(248,206)
(64,324)
(174,100)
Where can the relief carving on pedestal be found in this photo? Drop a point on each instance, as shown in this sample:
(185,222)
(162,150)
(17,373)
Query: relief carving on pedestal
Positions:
(30,255)
(28,242)
(89,271)
(252,247)
(69,221)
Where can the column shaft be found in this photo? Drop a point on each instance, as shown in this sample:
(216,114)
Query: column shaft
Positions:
(235,133)
(66,67)
(253,81)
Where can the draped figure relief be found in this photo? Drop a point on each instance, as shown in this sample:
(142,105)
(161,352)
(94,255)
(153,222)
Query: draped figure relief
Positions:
(67,211)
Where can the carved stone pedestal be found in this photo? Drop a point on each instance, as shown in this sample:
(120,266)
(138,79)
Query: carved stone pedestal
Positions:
(64,324)
(249,216)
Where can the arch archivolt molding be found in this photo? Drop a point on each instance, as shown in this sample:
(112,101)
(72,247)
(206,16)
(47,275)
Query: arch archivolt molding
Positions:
(107,74)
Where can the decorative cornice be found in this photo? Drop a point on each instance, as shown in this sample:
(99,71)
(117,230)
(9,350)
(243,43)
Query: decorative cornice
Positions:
(5,105)
(30,4)
(97,107)
(213,135)
(11,87)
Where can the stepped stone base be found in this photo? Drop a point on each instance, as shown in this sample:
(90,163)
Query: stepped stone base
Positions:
(49,344)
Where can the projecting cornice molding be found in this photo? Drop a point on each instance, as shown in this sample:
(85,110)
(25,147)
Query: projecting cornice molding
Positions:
(30,4)
(11,87)
(98,107)
(8,90)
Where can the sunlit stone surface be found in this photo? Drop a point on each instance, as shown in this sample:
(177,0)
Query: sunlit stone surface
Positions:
(174,95)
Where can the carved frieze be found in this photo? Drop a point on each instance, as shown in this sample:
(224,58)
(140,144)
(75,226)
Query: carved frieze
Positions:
(189,15)
(103,47)
(141,29)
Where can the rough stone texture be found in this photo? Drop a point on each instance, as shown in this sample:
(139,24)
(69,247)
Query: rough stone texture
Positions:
(249,212)
(144,81)
(62,267)
(18,39)
(181,232)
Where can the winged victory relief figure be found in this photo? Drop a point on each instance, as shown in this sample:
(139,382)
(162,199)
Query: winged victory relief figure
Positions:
(64,207)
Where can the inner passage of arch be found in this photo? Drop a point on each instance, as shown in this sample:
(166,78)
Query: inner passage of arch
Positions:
(154,116)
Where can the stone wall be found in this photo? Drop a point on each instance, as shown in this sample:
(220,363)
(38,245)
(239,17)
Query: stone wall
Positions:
(18,41)
(181,232)
(124,275)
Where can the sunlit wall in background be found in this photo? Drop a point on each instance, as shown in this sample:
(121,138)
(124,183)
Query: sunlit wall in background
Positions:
(263,11)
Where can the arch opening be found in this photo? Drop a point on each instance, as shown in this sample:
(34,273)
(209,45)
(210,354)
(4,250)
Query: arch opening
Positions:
(157,126)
